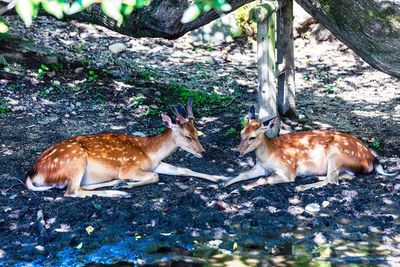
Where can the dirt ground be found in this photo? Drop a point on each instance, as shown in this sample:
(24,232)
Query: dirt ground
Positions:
(183,221)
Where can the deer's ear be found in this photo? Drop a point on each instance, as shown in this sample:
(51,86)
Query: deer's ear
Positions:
(252,113)
(167,120)
(189,107)
(269,123)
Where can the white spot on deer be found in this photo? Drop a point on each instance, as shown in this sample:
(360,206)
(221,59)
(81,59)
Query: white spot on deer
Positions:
(55,160)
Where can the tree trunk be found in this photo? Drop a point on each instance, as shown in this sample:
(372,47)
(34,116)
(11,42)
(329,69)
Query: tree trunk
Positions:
(160,19)
(264,15)
(371,28)
(285,60)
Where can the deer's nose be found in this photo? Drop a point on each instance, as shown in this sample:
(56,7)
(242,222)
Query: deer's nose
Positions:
(202,151)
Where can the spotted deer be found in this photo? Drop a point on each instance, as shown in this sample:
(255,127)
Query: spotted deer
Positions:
(88,162)
(309,153)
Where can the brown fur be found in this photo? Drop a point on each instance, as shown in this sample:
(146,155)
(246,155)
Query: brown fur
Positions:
(318,152)
(120,154)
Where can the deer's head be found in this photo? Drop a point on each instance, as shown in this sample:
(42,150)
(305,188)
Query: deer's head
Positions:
(253,132)
(184,132)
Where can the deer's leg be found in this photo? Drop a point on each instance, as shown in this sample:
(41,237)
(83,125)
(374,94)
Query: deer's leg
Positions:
(255,172)
(131,178)
(164,168)
(100,185)
(280,176)
(332,176)
(74,189)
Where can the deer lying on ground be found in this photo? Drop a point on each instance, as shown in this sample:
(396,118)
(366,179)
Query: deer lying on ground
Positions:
(308,153)
(87,162)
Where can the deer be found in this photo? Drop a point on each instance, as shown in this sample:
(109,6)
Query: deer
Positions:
(281,159)
(84,163)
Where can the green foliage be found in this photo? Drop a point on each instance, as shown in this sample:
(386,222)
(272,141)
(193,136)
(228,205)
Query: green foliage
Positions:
(201,98)
(306,77)
(44,68)
(329,89)
(98,99)
(194,10)
(4,108)
(41,71)
(152,112)
(92,76)
(55,88)
(3,27)
(376,145)
(56,66)
(27,10)
(148,75)
(231,132)
(243,20)
(136,101)
(242,122)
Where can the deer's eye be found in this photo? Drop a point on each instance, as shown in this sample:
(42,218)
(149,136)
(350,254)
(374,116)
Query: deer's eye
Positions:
(189,138)
(251,139)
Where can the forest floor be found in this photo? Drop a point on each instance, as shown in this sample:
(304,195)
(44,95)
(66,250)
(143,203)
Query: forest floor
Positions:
(185,221)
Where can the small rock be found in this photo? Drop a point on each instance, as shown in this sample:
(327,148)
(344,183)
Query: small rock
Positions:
(50,60)
(117,48)
(313,207)
(295,210)
(141,134)
(18,109)
(78,70)
(39,248)
(319,238)
(325,204)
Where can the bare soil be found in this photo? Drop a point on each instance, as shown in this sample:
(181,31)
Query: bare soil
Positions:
(183,221)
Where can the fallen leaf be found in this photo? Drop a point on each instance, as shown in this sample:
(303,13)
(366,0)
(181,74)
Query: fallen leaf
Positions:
(97,206)
(89,230)
(79,246)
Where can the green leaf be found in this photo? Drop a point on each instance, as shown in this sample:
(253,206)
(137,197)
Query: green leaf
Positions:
(96,206)
(191,13)
(142,3)
(25,10)
(126,10)
(79,246)
(3,27)
(78,6)
(112,9)
(225,7)
(54,7)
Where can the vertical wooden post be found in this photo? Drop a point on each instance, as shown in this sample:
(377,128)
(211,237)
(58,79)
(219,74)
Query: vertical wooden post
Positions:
(285,60)
(263,14)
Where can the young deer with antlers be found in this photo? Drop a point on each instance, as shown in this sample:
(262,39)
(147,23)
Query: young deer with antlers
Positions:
(309,153)
(87,162)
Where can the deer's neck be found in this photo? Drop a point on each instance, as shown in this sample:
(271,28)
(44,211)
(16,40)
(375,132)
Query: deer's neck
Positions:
(264,149)
(160,146)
